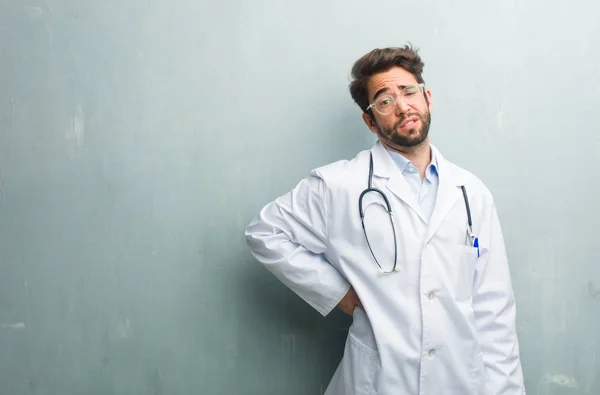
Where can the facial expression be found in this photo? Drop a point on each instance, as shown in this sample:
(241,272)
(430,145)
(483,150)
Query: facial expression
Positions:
(408,124)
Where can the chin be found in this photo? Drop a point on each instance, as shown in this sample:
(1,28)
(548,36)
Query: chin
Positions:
(411,141)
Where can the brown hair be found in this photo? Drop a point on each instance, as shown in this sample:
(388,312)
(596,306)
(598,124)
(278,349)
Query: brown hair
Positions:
(379,61)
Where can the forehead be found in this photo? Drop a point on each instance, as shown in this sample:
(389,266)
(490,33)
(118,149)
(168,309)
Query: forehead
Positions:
(389,79)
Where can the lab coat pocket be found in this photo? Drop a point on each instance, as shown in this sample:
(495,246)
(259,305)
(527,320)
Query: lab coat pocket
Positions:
(464,272)
(360,365)
(357,370)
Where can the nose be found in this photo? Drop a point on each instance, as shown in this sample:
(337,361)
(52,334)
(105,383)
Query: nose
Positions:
(401,106)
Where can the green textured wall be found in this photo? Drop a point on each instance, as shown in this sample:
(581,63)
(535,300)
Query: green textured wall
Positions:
(138,138)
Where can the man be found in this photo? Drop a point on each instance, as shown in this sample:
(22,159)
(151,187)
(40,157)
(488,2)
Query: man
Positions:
(407,243)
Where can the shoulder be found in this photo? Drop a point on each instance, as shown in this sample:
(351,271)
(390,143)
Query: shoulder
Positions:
(343,172)
(332,179)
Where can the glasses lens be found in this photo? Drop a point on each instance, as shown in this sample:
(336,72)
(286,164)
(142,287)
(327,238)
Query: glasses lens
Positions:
(385,104)
(411,93)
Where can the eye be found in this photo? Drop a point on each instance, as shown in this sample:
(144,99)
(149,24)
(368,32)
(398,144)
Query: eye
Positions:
(410,91)
(385,102)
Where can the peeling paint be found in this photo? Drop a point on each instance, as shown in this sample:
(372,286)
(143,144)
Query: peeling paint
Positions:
(75,133)
(15,326)
(561,380)
(123,329)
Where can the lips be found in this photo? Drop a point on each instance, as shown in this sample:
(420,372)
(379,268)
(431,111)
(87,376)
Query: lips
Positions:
(408,122)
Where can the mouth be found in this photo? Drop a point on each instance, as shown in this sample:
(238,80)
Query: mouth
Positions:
(408,123)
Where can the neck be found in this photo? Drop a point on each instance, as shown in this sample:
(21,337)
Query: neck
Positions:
(419,155)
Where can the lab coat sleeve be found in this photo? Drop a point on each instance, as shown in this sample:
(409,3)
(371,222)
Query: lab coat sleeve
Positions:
(495,311)
(289,237)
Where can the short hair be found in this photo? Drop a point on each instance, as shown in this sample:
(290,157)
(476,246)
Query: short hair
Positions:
(379,61)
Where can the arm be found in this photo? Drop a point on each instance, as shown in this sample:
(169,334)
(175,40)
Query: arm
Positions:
(495,312)
(289,237)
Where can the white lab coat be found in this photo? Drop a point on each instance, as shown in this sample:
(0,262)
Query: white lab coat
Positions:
(444,324)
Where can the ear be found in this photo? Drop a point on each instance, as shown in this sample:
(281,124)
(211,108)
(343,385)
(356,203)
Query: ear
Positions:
(369,122)
(428,96)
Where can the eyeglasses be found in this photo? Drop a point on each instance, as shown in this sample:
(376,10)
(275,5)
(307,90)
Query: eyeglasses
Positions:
(386,104)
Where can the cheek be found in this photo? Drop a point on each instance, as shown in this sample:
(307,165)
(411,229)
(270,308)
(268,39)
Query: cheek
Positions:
(385,122)
(422,110)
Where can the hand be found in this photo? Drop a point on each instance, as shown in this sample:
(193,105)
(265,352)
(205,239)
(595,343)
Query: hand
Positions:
(349,302)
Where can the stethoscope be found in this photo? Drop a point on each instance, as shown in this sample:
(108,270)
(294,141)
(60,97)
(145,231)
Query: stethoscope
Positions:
(473,239)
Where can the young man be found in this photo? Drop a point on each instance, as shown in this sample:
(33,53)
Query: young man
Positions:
(407,243)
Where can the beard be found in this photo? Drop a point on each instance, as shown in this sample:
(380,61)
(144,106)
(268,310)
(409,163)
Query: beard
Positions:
(413,137)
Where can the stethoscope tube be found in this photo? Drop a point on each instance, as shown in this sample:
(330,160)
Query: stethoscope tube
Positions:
(470,221)
(389,210)
(388,206)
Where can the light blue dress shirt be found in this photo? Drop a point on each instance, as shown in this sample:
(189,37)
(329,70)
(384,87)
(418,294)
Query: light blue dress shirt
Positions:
(425,193)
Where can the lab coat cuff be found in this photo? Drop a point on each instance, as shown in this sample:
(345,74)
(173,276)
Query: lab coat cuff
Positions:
(335,300)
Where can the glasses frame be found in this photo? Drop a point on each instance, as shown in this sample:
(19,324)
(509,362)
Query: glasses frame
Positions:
(393,98)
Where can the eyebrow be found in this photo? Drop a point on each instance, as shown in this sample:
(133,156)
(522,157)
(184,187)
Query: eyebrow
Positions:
(385,89)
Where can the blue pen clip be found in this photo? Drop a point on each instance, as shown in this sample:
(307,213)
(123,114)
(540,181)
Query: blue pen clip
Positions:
(476,245)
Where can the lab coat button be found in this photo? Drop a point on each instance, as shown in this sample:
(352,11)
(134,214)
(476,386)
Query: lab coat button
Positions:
(431,295)
(431,354)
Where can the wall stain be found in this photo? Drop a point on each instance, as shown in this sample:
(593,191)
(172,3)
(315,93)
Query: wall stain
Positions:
(593,291)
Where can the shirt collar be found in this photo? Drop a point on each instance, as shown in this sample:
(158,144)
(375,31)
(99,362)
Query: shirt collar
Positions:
(399,160)
(403,163)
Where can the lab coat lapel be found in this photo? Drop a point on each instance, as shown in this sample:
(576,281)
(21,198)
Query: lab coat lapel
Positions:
(384,166)
(449,194)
